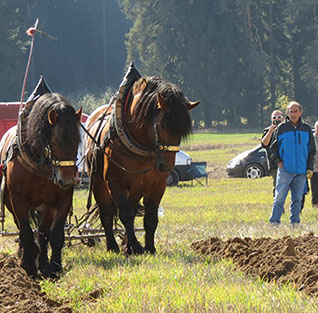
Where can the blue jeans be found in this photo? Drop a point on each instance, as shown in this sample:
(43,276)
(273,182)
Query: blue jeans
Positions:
(284,182)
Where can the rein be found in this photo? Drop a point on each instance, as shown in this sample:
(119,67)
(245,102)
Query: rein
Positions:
(112,160)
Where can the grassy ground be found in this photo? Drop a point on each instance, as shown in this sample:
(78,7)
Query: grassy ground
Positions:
(176,279)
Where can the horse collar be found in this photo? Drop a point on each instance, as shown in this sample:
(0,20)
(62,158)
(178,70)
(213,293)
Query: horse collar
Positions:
(119,118)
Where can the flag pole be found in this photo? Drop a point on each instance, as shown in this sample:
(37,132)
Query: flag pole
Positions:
(31,32)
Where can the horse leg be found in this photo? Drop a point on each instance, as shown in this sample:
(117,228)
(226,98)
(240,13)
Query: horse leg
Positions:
(9,207)
(151,221)
(43,239)
(57,236)
(28,249)
(127,217)
(106,212)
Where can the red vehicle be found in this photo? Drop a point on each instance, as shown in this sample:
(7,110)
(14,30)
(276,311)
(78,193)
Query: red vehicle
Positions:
(9,112)
(8,116)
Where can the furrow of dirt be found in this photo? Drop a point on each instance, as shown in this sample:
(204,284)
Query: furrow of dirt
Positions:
(281,260)
(20,294)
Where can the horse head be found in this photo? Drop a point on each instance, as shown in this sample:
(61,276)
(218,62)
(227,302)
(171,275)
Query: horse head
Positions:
(55,137)
(159,118)
(63,159)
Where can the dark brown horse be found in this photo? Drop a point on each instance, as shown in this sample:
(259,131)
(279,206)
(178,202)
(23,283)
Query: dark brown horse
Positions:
(40,173)
(134,155)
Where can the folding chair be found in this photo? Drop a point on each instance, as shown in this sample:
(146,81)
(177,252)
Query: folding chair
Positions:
(198,172)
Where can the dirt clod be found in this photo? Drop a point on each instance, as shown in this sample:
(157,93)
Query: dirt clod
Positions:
(281,260)
(19,293)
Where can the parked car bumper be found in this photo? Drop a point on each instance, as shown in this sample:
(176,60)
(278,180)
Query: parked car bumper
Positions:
(234,171)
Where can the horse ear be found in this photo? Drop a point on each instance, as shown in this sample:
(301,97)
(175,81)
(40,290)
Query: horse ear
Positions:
(162,104)
(52,117)
(78,114)
(192,105)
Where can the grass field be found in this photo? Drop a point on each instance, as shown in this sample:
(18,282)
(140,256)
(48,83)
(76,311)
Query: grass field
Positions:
(176,279)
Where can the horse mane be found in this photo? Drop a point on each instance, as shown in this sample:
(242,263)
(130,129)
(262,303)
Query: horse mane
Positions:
(176,120)
(38,129)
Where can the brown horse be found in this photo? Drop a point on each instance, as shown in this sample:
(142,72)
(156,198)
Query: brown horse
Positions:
(46,180)
(135,154)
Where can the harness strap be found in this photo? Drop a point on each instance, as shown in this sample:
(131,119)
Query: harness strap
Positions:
(27,162)
(2,207)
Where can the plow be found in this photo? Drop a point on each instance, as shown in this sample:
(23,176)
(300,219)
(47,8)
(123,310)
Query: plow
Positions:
(86,229)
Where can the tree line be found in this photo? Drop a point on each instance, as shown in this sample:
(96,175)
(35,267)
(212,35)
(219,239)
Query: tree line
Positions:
(240,58)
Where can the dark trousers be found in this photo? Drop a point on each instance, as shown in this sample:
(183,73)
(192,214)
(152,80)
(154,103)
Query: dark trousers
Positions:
(314,188)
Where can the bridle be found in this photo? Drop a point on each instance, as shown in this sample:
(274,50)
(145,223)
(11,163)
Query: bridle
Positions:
(158,143)
(157,146)
(54,161)
(28,161)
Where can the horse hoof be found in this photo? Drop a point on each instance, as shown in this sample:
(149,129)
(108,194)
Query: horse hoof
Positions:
(31,271)
(137,250)
(113,248)
(151,251)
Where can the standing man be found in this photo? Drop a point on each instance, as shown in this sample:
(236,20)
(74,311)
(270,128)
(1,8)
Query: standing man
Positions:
(314,179)
(293,150)
(276,118)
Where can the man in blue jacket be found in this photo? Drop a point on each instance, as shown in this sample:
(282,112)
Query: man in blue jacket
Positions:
(293,149)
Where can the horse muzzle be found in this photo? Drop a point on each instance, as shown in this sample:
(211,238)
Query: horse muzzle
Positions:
(64,182)
(163,167)
(64,185)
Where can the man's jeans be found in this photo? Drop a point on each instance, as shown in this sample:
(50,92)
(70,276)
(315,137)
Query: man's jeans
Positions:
(284,182)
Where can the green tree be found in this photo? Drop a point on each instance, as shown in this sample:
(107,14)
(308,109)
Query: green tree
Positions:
(14,46)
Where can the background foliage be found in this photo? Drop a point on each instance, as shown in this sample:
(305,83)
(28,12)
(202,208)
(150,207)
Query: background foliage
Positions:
(241,58)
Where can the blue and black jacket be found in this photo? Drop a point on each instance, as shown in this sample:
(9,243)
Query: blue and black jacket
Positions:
(294,146)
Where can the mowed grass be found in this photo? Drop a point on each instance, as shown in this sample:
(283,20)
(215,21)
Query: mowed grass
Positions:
(176,279)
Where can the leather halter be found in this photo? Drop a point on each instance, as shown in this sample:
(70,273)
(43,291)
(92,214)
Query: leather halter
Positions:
(158,142)
(55,162)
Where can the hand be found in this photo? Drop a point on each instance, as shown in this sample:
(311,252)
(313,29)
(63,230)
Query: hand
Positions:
(309,174)
(280,165)
(272,128)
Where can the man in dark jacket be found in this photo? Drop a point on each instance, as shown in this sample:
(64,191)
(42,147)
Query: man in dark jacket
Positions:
(277,117)
(293,150)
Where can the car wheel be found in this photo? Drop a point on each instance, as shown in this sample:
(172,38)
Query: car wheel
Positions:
(173,178)
(253,170)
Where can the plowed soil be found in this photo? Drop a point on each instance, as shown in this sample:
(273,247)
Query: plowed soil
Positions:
(283,260)
(20,294)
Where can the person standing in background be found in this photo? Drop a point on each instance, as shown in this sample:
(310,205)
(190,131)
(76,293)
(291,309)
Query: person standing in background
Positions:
(293,149)
(314,178)
(277,117)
